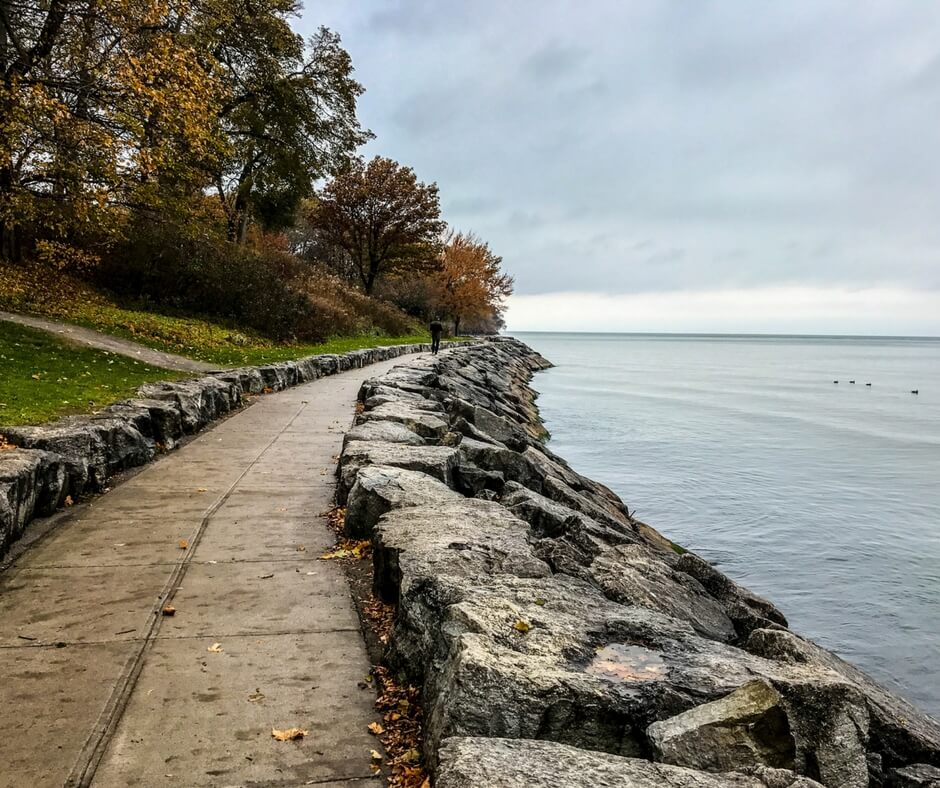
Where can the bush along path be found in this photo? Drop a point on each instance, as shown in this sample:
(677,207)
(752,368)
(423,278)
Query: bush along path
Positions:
(55,464)
(559,641)
(188,628)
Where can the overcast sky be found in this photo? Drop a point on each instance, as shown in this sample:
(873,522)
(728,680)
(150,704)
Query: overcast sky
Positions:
(686,165)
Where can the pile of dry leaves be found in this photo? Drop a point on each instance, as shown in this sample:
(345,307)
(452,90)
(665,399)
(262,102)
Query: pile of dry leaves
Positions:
(5,445)
(398,702)
(400,732)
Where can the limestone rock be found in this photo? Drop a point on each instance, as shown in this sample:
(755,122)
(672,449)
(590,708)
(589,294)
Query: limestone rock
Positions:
(746,728)
(383,431)
(920,775)
(496,457)
(899,733)
(380,488)
(745,609)
(422,422)
(496,427)
(436,461)
(467,762)
(32,483)
(635,575)
(92,449)
(549,518)
(458,537)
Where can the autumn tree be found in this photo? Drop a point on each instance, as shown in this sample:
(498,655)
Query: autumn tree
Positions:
(379,218)
(97,100)
(470,284)
(290,113)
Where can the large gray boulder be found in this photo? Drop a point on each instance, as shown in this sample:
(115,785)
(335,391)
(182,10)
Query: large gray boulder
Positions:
(746,609)
(92,448)
(384,432)
(198,401)
(32,483)
(549,518)
(422,422)
(469,762)
(633,574)
(512,465)
(436,461)
(899,733)
(918,775)
(552,658)
(817,727)
(381,488)
(458,537)
(746,728)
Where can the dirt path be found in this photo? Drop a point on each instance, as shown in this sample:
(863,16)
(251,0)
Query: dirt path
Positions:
(95,339)
(100,689)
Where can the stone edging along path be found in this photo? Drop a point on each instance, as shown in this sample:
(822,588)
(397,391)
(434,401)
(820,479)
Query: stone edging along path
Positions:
(58,462)
(559,641)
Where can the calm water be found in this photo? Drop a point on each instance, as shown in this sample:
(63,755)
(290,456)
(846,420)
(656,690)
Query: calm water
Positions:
(824,498)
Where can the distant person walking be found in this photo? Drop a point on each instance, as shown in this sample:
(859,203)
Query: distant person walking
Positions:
(437,328)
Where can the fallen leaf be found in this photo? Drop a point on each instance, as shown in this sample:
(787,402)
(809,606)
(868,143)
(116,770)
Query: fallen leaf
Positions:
(183,544)
(376,756)
(265,577)
(376,769)
(376,729)
(203,489)
(288,734)
(348,550)
(302,549)
(256,697)
(215,648)
(522,626)
(539,601)
(169,610)
(411,756)
(68,500)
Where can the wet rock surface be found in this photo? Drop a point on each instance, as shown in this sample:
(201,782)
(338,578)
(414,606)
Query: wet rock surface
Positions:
(77,455)
(549,628)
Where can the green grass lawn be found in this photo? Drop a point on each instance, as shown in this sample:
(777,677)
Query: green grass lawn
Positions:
(42,377)
(31,290)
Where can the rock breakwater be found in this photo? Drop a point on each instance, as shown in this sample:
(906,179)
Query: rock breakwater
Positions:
(558,640)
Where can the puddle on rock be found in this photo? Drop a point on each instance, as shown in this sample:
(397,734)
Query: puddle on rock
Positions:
(621,662)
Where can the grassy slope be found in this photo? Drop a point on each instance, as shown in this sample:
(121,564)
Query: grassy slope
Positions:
(42,377)
(67,299)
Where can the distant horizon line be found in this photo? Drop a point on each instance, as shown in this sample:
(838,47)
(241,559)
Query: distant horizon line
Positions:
(751,334)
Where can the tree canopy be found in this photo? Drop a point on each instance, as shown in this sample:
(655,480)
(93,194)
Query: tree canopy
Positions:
(172,152)
(470,285)
(380,218)
(134,103)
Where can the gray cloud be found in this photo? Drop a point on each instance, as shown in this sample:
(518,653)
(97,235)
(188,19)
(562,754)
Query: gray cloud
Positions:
(661,146)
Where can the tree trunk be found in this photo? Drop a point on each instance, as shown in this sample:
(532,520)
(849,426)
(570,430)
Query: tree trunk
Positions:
(6,170)
(239,217)
(456,325)
(373,275)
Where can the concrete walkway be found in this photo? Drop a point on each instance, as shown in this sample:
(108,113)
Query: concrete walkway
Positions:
(100,689)
(95,339)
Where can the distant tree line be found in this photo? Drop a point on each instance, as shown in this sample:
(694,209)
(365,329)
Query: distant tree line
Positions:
(201,153)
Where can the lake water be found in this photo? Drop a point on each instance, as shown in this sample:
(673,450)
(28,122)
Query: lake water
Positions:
(823,497)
